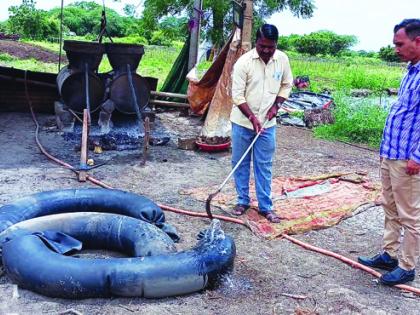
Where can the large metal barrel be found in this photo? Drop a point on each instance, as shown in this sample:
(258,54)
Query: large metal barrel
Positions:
(120,55)
(80,53)
(120,93)
(72,88)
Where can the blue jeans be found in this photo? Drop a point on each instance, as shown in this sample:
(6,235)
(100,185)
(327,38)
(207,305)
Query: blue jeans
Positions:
(262,156)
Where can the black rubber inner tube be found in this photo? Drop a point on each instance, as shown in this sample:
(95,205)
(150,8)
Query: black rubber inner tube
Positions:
(32,265)
(85,200)
(120,233)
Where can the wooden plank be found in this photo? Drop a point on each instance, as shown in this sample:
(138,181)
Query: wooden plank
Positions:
(169,104)
(168,94)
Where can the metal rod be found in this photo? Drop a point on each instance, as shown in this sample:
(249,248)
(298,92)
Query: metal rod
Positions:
(211,196)
(133,93)
(243,156)
(136,106)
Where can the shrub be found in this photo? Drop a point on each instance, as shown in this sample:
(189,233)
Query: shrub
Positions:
(159,39)
(133,39)
(388,54)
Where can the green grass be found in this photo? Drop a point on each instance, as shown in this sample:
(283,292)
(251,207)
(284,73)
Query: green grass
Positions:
(357,123)
(27,64)
(346,75)
(157,62)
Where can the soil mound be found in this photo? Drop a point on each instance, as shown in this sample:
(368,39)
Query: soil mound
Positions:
(27,51)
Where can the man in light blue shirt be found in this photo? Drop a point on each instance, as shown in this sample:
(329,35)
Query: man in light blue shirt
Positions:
(400,167)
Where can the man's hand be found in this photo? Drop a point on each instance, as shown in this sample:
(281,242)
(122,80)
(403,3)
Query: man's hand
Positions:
(413,168)
(255,123)
(272,112)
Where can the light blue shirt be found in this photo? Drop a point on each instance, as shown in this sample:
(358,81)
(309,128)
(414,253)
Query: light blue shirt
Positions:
(401,136)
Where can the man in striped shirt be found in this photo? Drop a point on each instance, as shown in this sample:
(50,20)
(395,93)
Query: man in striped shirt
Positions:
(400,166)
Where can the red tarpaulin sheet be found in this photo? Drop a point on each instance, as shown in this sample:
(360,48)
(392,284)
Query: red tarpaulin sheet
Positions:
(303,204)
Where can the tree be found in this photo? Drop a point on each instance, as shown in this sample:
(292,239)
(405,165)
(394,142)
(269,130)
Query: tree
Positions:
(84,18)
(324,43)
(388,54)
(217,14)
(288,42)
(29,22)
(174,28)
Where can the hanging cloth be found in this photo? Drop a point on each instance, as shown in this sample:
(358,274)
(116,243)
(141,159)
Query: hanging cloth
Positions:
(175,82)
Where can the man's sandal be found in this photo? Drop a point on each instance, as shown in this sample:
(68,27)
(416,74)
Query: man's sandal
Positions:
(271,216)
(240,209)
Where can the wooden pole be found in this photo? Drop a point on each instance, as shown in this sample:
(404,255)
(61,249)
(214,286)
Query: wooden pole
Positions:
(247,27)
(195,34)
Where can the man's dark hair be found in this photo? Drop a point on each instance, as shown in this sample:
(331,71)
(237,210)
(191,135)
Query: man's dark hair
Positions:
(268,31)
(411,26)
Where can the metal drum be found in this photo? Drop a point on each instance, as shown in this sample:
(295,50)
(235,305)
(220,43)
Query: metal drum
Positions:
(124,59)
(72,88)
(81,53)
(120,93)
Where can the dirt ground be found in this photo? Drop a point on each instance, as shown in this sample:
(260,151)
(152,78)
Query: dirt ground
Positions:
(265,272)
(25,51)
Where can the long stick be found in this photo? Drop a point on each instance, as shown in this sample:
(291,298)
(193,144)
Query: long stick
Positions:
(211,196)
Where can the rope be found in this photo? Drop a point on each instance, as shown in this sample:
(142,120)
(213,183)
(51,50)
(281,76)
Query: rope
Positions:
(103,25)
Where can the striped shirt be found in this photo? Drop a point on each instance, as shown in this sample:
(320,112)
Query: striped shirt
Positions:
(401,136)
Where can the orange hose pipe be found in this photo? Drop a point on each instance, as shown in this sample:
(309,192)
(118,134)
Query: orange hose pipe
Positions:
(348,261)
(307,246)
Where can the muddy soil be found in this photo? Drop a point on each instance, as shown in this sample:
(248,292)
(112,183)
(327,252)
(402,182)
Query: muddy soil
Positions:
(26,51)
(267,273)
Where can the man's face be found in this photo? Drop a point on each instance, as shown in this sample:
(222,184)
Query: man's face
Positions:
(407,49)
(265,48)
